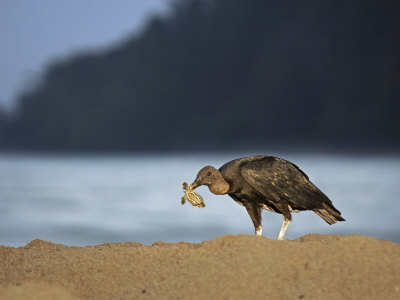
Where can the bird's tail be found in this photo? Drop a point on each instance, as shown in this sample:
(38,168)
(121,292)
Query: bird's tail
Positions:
(330,214)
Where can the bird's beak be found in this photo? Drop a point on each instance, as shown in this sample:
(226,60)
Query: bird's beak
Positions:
(194,185)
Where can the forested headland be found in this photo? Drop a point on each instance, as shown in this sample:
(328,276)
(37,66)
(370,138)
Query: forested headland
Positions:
(225,74)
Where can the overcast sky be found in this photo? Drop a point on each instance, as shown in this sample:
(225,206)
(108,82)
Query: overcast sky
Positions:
(34,33)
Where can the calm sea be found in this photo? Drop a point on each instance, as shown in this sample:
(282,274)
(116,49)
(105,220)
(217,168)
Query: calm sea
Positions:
(88,200)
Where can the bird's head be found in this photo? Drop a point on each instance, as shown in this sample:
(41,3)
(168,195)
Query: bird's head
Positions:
(212,178)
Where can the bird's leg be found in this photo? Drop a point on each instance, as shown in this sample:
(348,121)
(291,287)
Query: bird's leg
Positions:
(259,230)
(285,225)
(255,214)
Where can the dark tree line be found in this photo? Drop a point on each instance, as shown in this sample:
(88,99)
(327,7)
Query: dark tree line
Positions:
(226,73)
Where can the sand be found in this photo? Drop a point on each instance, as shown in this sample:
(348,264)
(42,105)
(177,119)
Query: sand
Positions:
(229,267)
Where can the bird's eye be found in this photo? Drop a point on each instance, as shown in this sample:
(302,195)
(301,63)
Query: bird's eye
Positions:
(208,173)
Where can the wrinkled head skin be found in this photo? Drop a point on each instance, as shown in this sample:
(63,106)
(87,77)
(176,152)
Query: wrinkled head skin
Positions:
(206,176)
(212,178)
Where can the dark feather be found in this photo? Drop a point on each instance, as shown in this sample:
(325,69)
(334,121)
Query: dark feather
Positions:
(279,184)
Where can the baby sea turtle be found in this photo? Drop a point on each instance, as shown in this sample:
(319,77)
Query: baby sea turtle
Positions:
(194,198)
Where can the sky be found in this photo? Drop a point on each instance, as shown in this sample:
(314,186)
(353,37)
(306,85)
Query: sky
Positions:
(35,33)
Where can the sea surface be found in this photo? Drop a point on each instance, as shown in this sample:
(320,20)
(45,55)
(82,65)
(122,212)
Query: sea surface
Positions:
(93,199)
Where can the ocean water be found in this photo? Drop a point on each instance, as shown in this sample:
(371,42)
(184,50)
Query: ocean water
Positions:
(93,199)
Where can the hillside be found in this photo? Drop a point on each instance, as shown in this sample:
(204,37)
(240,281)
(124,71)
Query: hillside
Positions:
(226,72)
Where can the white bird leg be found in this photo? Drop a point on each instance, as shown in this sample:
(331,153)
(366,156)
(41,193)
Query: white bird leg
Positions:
(283,229)
(259,230)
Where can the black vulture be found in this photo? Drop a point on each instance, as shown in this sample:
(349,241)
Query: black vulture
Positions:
(270,183)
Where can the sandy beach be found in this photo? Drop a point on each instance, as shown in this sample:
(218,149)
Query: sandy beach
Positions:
(229,267)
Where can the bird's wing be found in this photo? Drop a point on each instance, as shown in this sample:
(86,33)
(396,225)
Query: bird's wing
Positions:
(280,180)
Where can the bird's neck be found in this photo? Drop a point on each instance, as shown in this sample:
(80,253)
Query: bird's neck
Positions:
(219,187)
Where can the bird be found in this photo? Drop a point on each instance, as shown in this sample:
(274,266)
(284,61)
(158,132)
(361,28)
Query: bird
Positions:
(271,183)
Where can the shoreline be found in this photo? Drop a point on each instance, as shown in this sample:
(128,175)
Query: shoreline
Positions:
(231,266)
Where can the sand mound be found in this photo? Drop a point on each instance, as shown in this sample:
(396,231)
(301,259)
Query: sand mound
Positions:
(232,266)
